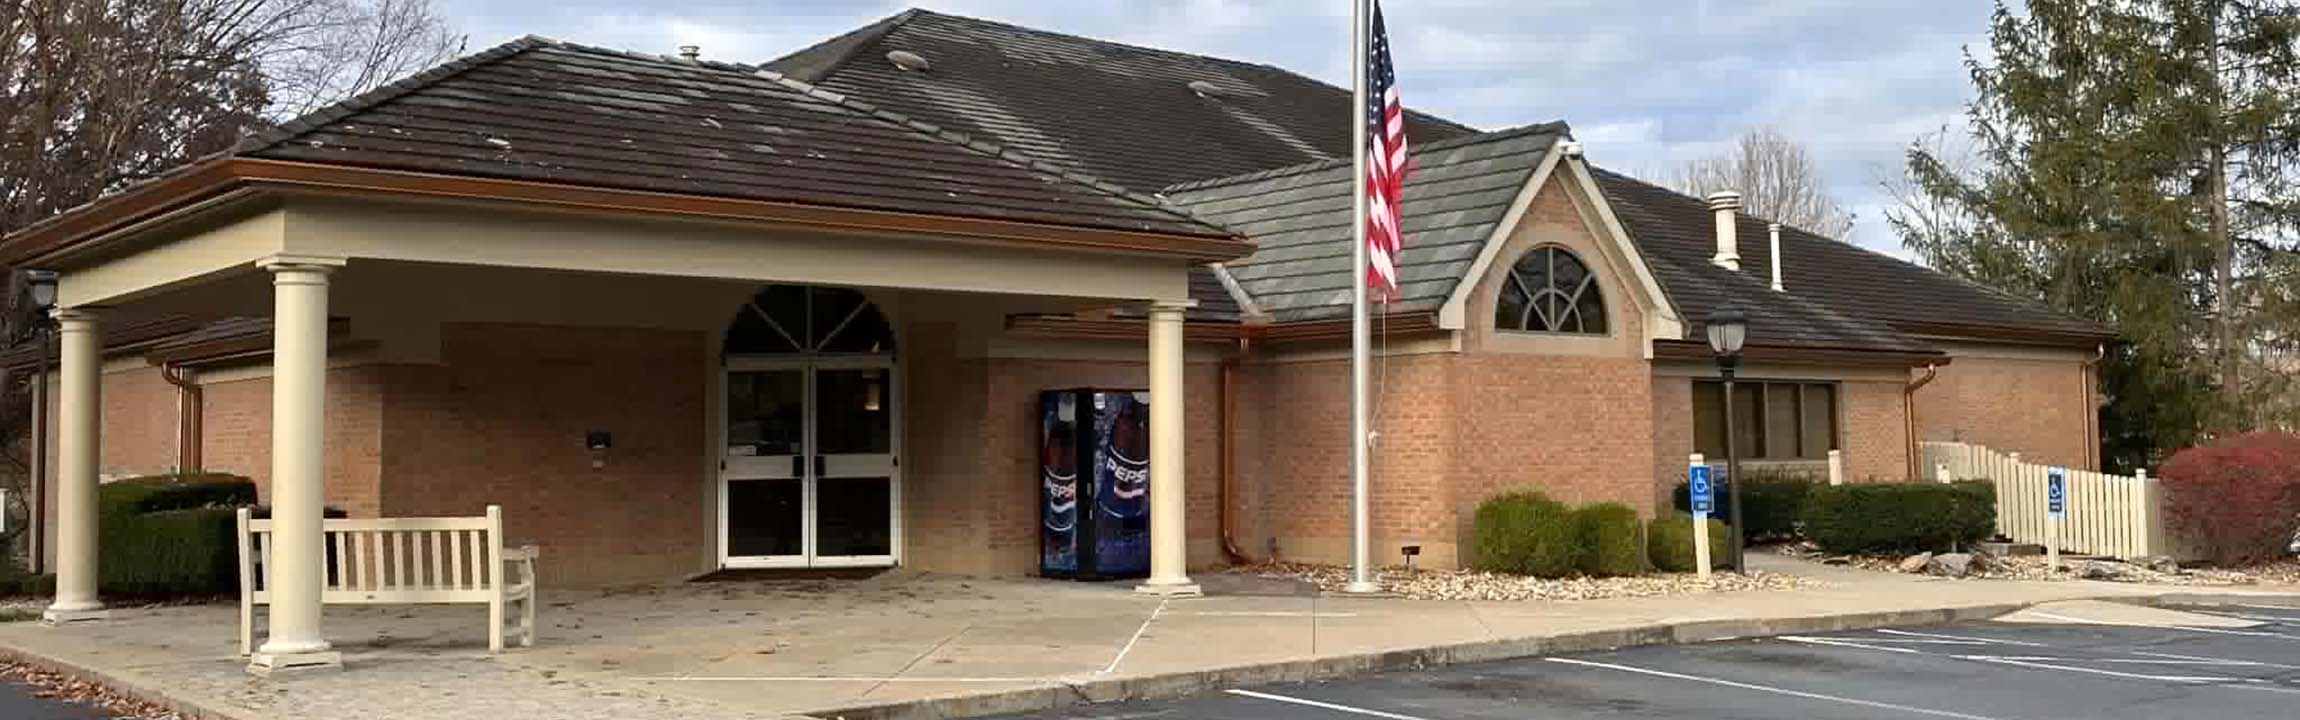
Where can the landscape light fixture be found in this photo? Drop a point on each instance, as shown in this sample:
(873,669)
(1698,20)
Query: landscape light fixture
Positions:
(1728,329)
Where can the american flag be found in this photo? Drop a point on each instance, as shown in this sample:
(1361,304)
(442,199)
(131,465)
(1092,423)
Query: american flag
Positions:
(1385,163)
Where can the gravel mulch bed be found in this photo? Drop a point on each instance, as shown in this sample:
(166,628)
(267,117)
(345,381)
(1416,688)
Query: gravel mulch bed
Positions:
(1472,585)
(2037,567)
(51,686)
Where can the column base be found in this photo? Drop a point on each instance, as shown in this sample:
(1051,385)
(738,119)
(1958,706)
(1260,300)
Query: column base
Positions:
(265,664)
(53,616)
(1170,589)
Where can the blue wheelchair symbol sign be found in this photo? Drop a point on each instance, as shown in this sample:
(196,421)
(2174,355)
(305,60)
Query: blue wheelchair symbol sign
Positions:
(2056,492)
(1697,483)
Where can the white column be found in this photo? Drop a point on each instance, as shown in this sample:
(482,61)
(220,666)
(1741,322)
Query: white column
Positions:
(299,397)
(1169,535)
(79,413)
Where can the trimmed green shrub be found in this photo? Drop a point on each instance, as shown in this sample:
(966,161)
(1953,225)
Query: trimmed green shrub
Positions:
(1525,533)
(1669,542)
(1613,538)
(170,535)
(1899,517)
(1774,501)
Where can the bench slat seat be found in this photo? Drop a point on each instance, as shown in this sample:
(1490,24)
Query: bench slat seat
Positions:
(404,561)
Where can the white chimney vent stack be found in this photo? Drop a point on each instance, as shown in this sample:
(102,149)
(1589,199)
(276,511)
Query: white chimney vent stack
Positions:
(1722,203)
(1775,229)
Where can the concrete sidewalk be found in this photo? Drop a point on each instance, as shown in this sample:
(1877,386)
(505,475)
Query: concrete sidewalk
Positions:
(908,645)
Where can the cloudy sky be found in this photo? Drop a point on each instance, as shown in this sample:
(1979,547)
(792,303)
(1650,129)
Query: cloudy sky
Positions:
(1647,84)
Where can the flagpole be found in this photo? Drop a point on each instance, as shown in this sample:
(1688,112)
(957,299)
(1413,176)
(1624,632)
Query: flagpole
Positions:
(1361,544)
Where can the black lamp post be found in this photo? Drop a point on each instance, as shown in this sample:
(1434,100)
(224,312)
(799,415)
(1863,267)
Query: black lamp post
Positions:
(1728,329)
(41,285)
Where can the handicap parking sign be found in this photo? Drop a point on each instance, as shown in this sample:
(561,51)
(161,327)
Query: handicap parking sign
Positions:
(2056,492)
(1697,482)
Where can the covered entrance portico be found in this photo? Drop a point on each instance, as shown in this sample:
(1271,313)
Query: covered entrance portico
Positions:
(599,369)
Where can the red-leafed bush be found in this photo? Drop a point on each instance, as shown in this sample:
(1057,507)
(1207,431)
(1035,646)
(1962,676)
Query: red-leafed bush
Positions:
(2238,498)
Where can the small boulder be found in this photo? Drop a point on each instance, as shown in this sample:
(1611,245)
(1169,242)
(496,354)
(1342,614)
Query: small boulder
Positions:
(1916,563)
(2100,570)
(2162,564)
(1950,564)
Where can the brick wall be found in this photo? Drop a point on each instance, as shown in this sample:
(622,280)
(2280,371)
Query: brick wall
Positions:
(503,418)
(1875,431)
(2039,407)
(139,423)
(236,432)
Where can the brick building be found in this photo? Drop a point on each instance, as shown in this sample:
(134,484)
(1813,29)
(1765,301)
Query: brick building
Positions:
(677,316)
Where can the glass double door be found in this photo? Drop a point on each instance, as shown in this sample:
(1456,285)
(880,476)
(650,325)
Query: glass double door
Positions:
(809,474)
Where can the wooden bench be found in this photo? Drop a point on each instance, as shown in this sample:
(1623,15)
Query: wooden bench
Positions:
(404,561)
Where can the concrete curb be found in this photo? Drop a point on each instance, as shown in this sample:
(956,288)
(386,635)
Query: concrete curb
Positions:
(1076,691)
(129,685)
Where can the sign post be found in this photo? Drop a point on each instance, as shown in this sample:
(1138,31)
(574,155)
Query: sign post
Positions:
(2055,510)
(1704,501)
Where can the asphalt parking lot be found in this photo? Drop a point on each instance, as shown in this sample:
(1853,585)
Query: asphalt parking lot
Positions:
(17,703)
(2107,662)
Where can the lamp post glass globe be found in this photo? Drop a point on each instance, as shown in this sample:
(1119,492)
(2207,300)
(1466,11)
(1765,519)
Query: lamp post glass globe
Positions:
(43,286)
(1728,329)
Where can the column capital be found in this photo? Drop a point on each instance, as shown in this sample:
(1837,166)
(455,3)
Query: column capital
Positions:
(76,315)
(1172,306)
(288,262)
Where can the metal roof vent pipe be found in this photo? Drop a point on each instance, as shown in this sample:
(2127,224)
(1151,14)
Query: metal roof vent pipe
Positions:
(1775,230)
(691,52)
(907,61)
(1722,203)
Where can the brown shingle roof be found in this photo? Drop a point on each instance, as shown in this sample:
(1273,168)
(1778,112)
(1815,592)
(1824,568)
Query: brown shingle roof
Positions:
(537,109)
(1677,235)
(1122,113)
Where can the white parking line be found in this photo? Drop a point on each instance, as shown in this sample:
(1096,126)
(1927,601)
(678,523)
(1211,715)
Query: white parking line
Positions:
(1968,638)
(1771,689)
(1808,640)
(2188,679)
(2252,663)
(1320,704)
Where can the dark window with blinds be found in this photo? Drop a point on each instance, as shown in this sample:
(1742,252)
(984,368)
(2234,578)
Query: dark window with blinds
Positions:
(1772,420)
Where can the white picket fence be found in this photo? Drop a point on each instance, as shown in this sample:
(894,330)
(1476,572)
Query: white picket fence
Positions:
(2110,515)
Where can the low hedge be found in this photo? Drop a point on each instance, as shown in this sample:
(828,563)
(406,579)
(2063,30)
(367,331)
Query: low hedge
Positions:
(1669,543)
(1612,539)
(1899,517)
(1775,502)
(170,535)
(1525,533)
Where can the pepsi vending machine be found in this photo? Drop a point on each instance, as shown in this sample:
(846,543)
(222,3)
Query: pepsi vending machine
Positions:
(1094,483)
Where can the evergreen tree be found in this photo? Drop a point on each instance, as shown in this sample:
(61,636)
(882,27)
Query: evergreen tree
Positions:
(2134,164)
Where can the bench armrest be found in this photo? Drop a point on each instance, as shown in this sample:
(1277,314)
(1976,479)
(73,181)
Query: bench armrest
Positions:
(523,553)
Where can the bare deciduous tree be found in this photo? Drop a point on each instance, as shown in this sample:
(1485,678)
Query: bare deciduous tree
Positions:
(95,94)
(1777,179)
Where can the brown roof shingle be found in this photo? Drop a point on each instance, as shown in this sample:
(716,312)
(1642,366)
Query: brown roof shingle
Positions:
(542,110)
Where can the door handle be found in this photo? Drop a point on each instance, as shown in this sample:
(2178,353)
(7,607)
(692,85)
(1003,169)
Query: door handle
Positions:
(798,466)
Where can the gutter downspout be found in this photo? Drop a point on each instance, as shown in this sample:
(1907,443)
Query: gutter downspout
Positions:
(1230,450)
(36,545)
(2089,384)
(188,412)
(1909,414)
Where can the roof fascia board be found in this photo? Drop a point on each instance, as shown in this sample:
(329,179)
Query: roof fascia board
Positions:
(1666,324)
(158,203)
(1450,316)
